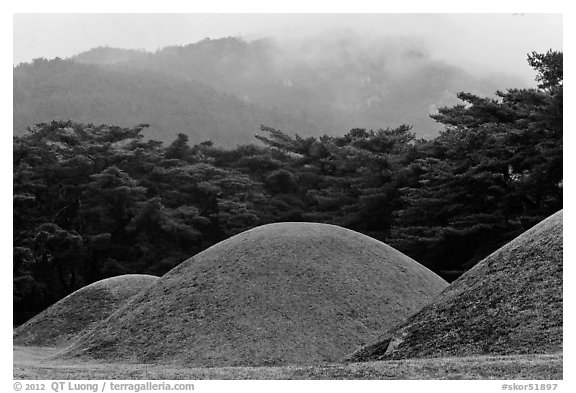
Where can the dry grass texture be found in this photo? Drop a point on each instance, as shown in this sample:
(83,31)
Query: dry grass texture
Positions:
(66,320)
(287,293)
(509,303)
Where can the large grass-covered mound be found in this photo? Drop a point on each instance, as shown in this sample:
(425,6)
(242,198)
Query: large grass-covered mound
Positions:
(509,303)
(286,293)
(74,315)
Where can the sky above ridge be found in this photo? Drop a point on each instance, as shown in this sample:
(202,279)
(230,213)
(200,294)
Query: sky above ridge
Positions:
(487,42)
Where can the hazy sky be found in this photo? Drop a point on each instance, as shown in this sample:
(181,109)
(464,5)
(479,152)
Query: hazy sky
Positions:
(497,42)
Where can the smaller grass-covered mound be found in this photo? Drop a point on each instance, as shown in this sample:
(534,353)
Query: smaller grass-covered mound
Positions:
(509,303)
(66,320)
(285,293)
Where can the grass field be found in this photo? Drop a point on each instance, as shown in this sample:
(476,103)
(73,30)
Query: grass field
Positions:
(289,302)
(37,363)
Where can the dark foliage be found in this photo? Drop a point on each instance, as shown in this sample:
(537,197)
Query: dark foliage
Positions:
(91,201)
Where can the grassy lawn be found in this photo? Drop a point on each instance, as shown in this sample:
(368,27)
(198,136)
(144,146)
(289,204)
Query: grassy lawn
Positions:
(37,363)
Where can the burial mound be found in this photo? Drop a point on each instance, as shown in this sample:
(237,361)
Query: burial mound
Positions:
(285,293)
(67,319)
(509,303)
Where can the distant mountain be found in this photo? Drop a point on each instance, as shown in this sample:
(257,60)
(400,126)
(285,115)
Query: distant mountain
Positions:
(104,55)
(125,96)
(224,89)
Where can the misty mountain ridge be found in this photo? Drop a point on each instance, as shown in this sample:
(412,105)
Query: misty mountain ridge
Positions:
(223,89)
(123,96)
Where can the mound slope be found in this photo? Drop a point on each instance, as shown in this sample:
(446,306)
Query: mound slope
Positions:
(72,316)
(509,303)
(286,293)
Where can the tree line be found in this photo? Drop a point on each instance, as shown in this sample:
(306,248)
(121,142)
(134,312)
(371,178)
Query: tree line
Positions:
(92,202)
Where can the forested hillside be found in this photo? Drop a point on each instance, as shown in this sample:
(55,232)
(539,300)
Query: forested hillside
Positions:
(96,201)
(124,96)
(224,89)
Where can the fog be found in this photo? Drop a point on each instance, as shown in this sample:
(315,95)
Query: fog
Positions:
(478,42)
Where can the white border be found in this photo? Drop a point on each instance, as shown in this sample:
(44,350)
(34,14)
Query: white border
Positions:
(261,6)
